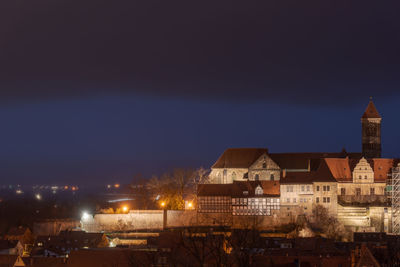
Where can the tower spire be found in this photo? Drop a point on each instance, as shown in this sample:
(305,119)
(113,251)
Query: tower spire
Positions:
(371,131)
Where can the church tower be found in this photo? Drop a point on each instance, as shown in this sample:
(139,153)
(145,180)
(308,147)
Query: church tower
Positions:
(371,132)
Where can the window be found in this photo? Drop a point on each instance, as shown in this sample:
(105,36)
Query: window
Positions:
(287,189)
(328,188)
(301,200)
(264,165)
(328,199)
(259,190)
(294,200)
(302,188)
(324,200)
(256,177)
(324,188)
(343,191)
(288,200)
(219,180)
(308,188)
(272,177)
(359,177)
(365,177)
(233,176)
(372,191)
(358,191)
(317,200)
(317,187)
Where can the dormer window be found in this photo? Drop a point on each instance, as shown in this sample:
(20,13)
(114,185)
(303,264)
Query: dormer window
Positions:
(259,190)
(264,165)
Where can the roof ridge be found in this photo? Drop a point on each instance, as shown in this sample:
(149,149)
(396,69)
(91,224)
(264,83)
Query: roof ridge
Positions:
(371,111)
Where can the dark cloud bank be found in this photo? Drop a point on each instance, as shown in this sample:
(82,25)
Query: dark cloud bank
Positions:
(319,51)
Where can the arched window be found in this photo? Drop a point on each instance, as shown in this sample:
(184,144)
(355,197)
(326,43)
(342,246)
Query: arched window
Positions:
(233,176)
(272,177)
(256,177)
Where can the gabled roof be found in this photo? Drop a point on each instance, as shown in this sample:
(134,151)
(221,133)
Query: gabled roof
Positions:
(371,111)
(342,169)
(239,157)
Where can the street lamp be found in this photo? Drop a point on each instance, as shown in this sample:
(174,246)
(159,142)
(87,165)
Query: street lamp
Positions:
(125,209)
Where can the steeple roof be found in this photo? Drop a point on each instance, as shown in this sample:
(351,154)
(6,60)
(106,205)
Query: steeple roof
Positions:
(371,111)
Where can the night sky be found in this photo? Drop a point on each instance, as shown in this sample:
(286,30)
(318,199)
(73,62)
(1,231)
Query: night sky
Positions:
(98,91)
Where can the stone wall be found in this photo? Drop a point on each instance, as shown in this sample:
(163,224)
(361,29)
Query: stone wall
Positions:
(360,219)
(134,220)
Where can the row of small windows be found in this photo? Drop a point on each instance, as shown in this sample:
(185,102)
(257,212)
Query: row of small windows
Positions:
(302,200)
(324,200)
(305,200)
(307,188)
(325,188)
(357,191)
(234,176)
(245,201)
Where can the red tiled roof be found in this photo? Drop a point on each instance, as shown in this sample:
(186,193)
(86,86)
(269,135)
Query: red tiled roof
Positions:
(381,168)
(371,111)
(342,169)
(239,157)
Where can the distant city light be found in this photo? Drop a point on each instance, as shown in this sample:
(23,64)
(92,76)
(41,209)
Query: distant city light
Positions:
(38,196)
(116,185)
(163,204)
(108,186)
(19,191)
(125,209)
(66,187)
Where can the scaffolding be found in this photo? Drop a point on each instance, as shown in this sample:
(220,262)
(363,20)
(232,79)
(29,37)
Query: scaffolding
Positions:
(395,189)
